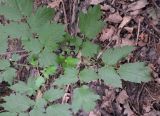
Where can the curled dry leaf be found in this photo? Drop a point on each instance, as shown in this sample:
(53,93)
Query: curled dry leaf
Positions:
(115,18)
(95,2)
(137,5)
(107,34)
(125,20)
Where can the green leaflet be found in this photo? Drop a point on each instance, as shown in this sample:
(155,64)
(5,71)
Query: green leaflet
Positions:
(21,104)
(90,23)
(58,110)
(16,9)
(135,72)
(112,55)
(53,94)
(89,49)
(84,98)
(69,77)
(110,76)
(88,75)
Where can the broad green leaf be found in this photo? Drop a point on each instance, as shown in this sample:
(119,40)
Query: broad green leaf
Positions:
(88,75)
(69,77)
(135,72)
(112,55)
(49,71)
(47,58)
(8,114)
(69,61)
(53,94)
(16,57)
(16,9)
(39,81)
(33,46)
(58,110)
(4,64)
(50,34)
(16,30)
(9,75)
(89,49)
(41,16)
(89,23)
(21,103)
(110,76)
(22,88)
(84,98)
(36,112)
(3,44)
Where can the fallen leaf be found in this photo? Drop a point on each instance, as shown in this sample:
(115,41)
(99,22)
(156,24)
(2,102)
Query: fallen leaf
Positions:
(95,2)
(55,3)
(137,5)
(115,18)
(125,20)
(107,34)
(122,97)
(129,29)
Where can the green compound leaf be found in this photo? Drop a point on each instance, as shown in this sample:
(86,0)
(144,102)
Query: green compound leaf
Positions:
(110,76)
(47,58)
(16,9)
(84,98)
(135,72)
(58,110)
(21,103)
(53,94)
(112,55)
(8,75)
(22,88)
(89,23)
(88,75)
(89,49)
(69,61)
(69,77)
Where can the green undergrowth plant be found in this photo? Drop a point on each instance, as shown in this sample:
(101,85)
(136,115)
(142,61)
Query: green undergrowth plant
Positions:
(49,47)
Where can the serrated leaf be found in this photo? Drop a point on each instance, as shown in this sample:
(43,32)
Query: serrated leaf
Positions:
(39,81)
(21,104)
(4,64)
(84,98)
(112,55)
(58,110)
(89,49)
(69,77)
(16,9)
(8,75)
(41,16)
(110,76)
(33,46)
(22,88)
(47,58)
(135,72)
(90,23)
(53,94)
(88,75)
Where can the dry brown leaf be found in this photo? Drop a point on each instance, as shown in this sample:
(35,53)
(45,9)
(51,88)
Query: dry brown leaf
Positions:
(122,97)
(125,20)
(95,2)
(107,34)
(55,3)
(137,5)
(115,18)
